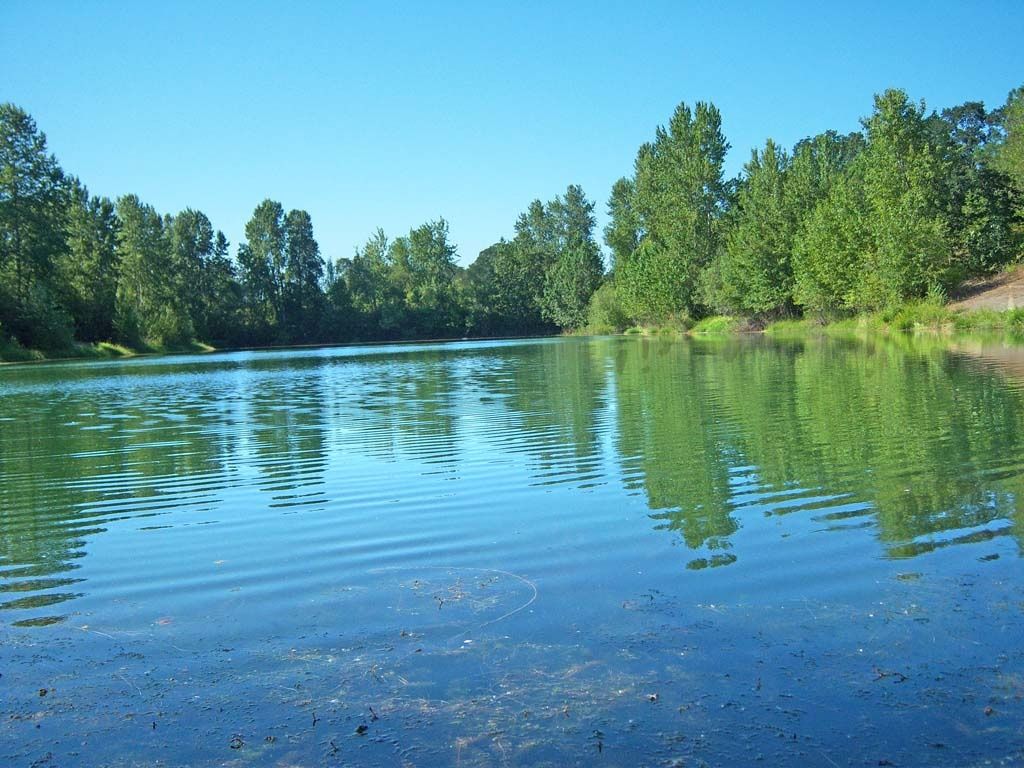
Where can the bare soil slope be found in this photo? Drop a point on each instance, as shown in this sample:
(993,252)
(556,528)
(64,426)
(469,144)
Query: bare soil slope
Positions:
(1002,291)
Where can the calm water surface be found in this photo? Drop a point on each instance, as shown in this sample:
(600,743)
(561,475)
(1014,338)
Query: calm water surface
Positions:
(612,552)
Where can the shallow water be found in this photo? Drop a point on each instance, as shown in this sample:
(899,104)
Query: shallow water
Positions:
(611,551)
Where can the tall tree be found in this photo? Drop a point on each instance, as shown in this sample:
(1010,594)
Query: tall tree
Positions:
(32,231)
(570,284)
(979,198)
(304,296)
(262,260)
(424,267)
(1008,158)
(881,236)
(902,182)
(502,290)
(191,235)
(1009,154)
(149,307)
(622,234)
(374,298)
(829,247)
(221,312)
(755,274)
(575,268)
(830,225)
(88,270)
(817,162)
(681,196)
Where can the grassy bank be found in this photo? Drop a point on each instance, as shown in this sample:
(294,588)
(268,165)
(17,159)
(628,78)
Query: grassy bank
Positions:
(12,352)
(923,317)
(716,325)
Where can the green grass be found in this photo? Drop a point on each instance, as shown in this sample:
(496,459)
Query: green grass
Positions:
(110,349)
(717,325)
(928,317)
(12,352)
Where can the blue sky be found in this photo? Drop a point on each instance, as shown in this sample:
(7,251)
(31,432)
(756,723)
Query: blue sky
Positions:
(387,115)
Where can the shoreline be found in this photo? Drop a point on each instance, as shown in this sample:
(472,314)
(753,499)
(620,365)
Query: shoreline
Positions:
(111,351)
(918,318)
(921,318)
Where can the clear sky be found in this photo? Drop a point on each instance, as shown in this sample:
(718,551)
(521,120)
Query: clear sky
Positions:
(387,115)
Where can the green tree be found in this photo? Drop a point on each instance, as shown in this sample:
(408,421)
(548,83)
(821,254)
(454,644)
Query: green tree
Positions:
(149,305)
(262,260)
(502,292)
(979,198)
(534,249)
(33,205)
(221,311)
(191,236)
(622,234)
(910,251)
(571,282)
(304,269)
(432,266)
(754,273)
(377,303)
(340,323)
(817,162)
(1008,155)
(881,235)
(680,198)
(544,277)
(574,267)
(87,268)
(830,245)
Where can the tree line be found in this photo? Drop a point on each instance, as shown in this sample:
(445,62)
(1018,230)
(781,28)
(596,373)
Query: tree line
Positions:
(78,267)
(906,208)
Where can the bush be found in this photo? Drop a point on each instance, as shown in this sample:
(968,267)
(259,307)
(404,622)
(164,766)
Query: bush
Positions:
(930,313)
(605,313)
(717,325)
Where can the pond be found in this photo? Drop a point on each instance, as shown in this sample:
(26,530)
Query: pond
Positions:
(606,551)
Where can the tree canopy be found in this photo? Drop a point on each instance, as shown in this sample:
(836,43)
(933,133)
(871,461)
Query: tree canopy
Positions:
(908,207)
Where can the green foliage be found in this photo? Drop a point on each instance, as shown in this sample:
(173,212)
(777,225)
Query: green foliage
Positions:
(574,265)
(150,308)
(33,198)
(191,236)
(829,246)
(792,328)
(542,279)
(679,199)
(910,251)
(424,265)
(570,283)
(716,325)
(929,313)
(262,261)
(605,313)
(880,237)
(1009,155)
(87,268)
(754,274)
(303,298)
(874,222)
(978,197)
(622,235)
(220,315)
